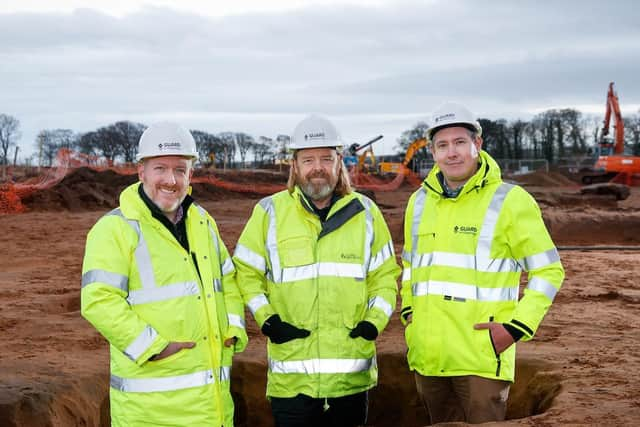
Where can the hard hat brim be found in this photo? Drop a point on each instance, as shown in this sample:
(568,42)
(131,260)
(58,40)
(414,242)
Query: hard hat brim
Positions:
(472,128)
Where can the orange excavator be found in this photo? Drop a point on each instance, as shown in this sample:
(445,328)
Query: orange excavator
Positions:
(404,167)
(612,163)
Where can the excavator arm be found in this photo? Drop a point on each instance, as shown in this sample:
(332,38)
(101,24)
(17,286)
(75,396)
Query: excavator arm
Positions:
(413,149)
(613,106)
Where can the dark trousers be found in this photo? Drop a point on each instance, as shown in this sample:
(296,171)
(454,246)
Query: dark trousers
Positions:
(305,411)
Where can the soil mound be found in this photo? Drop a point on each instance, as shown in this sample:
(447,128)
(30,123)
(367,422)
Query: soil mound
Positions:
(542,179)
(245,176)
(82,189)
(87,189)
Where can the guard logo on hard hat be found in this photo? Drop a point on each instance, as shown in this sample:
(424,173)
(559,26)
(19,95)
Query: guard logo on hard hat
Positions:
(177,141)
(315,131)
(317,135)
(452,114)
(169,146)
(448,116)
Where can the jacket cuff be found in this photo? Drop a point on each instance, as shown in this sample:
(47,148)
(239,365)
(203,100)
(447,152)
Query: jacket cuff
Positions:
(159,344)
(515,333)
(404,314)
(240,334)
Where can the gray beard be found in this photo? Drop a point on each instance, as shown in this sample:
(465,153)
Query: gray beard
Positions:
(315,192)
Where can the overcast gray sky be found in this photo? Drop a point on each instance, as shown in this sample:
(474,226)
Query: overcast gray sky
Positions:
(374,67)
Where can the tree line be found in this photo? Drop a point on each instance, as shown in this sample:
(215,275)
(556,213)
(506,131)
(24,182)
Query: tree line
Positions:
(552,135)
(118,142)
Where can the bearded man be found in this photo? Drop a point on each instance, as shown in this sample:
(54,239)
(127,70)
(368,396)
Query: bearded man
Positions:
(316,268)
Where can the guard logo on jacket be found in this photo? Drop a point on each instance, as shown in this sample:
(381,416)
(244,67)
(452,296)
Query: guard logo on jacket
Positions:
(465,229)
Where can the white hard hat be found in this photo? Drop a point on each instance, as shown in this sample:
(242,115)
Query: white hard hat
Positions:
(450,114)
(315,131)
(166,139)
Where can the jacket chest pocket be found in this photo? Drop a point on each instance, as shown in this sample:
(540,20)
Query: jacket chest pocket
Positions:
(425,241)
(296,251)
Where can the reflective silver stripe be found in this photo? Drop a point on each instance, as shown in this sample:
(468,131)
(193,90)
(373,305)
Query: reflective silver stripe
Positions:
(540,260)
(256,303)
(247,256)
(235,320)
(179,382)
(217,285)
(312,271)
(487,231)
(464,291)
(143,257)
(406,274)
(479,261)
(382,304)
(451,259)
(320,366)
(145,267)
(541,285)
(384,254)
(272,241)
(216,242)
(418,207)
(141,343)
(212,232)
(225,373)
(368,237)
(116,280)
(227,266)
(406,256)
(175,290)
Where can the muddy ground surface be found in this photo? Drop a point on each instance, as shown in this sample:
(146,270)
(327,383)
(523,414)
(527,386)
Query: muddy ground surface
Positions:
(580,369)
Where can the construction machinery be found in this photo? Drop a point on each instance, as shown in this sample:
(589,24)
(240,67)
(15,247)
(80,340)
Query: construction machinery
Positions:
(612,163)
(404,167)
(355,151)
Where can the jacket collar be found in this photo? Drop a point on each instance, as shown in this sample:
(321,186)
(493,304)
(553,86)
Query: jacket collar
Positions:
(337,201)
(488,172)
(134,207)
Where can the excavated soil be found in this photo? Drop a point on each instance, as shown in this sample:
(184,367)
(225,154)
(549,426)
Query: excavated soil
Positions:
(579,369)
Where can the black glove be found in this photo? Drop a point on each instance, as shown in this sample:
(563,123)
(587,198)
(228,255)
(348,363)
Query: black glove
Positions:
(280,332)
(365,330)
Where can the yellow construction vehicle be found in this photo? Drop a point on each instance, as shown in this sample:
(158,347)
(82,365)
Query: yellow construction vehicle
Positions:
(398,168)
(355,151)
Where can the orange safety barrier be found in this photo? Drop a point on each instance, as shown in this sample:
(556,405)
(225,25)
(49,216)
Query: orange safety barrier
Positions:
(9,200)
(374,183)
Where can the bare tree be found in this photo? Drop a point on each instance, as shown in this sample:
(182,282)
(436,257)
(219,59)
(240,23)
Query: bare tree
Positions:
(517,133)
(88,143)
(265,148)
(209,147)
(9,133)
(228,146)
(632,133)
(410,135)
(50,141)
(127,135)
(283,147)
(245,142)
(496,141)
(108,143)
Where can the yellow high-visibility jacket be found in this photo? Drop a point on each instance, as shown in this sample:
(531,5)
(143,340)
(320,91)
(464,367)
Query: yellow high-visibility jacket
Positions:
(463,258)
(142,290)
(323,277)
